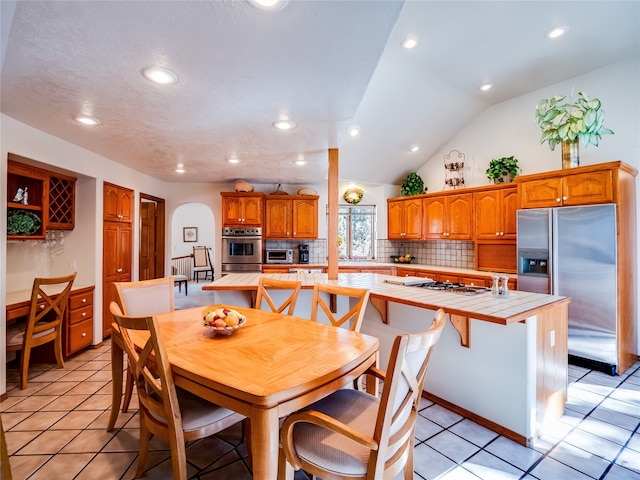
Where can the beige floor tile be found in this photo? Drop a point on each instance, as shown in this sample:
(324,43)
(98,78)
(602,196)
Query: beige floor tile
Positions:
(95,402)
(76,420)
(100,423)
(66,402)
(124,441)
(34,403)
(39,421)
(88,441)
(22,466)
(49,442)
(57,388)
(101,376)
(234,471)
(16,440)
(95,365)
(62,466)
(208,450)
(9,403)
(108,466)
(86,388)
(77,376)
(32,387)
(11,419)
(52,375)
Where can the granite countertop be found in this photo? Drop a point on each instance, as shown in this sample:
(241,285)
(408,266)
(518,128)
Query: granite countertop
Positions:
(516,307)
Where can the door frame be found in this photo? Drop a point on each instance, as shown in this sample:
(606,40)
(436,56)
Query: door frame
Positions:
(160,233)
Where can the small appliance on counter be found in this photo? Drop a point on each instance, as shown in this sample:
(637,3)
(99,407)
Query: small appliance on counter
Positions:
(278,256)
(303,250)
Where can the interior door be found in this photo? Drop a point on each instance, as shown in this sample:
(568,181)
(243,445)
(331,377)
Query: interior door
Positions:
(147,240)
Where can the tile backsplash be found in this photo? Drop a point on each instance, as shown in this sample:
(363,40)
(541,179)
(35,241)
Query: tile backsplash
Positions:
(444,253)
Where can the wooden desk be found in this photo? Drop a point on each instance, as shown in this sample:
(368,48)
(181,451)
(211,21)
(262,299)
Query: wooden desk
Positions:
(272,366)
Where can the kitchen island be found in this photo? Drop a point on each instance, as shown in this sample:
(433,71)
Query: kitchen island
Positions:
(501,361)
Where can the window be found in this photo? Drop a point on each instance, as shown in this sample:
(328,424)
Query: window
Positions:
(356,232)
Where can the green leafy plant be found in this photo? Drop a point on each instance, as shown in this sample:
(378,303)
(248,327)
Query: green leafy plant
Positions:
(412,185)
(566,122)
(501,169)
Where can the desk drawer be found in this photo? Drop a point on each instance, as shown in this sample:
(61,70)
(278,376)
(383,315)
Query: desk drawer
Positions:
(80,335)
(80,301)
(81,314)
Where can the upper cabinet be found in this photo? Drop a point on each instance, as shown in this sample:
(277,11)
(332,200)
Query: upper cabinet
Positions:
(118,203)
(448,217)
(291,216)
(37,200)
(496,213)
(404,219)
(241,209)
(570,187)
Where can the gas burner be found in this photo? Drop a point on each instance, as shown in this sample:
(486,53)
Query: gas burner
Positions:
(454,287)
(441,285)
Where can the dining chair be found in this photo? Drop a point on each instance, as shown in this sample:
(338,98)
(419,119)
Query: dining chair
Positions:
(49,298)
(265,284)
(202,263)
(141,298)
(166,411)
(351,434)
(355,313)
(180,280)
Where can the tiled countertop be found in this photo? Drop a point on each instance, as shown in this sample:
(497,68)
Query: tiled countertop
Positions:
(516,307)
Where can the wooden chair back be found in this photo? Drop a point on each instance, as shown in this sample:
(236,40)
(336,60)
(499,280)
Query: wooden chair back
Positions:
(146,297)
(355,313)
(49,298)
(202,263)
(265,284)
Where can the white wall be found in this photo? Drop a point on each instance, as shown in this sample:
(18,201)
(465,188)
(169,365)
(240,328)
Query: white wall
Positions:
(192,215)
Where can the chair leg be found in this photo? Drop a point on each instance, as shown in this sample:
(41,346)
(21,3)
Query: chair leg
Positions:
(128,391)
(58,350)
(145,438)
(117,365)
(24,367)
(285,470)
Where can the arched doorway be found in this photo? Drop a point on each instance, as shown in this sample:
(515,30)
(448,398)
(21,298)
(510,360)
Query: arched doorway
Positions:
(192,224)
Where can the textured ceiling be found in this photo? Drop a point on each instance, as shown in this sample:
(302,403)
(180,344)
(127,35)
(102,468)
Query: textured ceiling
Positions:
(324,64)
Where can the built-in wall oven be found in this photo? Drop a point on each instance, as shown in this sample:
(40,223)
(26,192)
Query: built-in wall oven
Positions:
(241,250)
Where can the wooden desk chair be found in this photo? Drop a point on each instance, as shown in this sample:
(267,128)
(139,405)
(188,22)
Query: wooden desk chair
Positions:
(265,284)
(44,322)
(146,297)
(354,315)
(166,411)
(353,435)
(202,263)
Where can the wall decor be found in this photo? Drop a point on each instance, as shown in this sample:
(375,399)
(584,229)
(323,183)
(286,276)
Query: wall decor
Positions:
(190,234)
(454,169)
(353,195)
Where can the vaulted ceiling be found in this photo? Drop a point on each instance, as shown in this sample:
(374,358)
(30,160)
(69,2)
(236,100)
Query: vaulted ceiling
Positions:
(325,65)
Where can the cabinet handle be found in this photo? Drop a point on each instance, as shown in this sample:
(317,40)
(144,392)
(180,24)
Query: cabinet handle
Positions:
(558,200)
(497,234)
(84,300)
(119,270)
(84,314)
(83,334)
(501,234)
(294,234)
(564,198)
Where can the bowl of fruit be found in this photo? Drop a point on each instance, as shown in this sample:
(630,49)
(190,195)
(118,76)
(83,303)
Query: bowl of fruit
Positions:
(223,321)
(402,258)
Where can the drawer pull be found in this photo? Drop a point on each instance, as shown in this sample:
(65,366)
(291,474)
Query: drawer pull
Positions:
(84,314)
(84,300)
(83,334)
(41,307)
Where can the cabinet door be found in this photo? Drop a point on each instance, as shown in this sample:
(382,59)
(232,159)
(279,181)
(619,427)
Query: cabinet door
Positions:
(588,188)
(231,211)
(459,209)
(395,220)
(125,205)
(305,218)
(488,215)
(541,193)
(413,219)
(433,218)
(277,218)
(62,196)
(110,203)
(509,209)
(252,211)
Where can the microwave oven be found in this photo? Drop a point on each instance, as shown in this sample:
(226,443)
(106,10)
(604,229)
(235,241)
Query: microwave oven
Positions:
(278,255)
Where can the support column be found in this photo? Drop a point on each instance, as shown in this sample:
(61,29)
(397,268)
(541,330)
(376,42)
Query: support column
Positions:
(332,227)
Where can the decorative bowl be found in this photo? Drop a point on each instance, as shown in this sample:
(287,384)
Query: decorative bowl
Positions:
(402,259)
(223,321)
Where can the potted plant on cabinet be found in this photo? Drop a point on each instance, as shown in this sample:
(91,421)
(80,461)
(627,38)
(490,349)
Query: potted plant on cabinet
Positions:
(503,169)
(570,123)
(412,185)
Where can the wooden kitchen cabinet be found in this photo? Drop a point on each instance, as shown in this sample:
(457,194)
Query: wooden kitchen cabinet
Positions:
(288,216)
(448,217)
(496,213)
(50,200)
(242,209)
(569,187)
(404,218)
(117,204)
(78,321)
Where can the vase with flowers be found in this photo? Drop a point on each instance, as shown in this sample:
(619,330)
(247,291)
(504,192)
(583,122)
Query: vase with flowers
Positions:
(569,123)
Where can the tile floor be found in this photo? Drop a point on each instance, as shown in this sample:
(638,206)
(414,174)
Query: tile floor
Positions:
(56,429)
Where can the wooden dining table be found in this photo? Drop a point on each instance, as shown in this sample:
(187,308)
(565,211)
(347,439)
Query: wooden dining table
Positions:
(268,368)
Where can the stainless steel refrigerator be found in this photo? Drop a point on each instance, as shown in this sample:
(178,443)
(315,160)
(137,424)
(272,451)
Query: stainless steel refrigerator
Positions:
(572,251)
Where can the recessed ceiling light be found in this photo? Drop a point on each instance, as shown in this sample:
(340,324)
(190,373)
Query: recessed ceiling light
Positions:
(301,162)
(233,160)
(486,87)
(269,5)
(180,168)
(86,120)
(414,148)
(410,42)
(557,31)
(354,131)
(284,124)
(160,75)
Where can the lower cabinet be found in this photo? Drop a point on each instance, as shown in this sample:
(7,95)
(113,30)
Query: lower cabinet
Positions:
(78,328)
